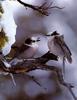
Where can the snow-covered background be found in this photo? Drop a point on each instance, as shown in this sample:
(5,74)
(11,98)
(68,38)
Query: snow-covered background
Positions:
(29,22)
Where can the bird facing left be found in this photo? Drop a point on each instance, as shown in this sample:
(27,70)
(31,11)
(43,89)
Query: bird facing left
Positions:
(7,32)
(7,28)
(57,46)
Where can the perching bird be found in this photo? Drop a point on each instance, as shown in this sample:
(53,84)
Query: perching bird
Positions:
(7,31)
(27,49)
(57,46)
(7,28)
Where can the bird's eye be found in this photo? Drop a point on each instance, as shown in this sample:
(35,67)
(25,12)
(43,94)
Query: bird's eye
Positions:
(33,41)
(28,41)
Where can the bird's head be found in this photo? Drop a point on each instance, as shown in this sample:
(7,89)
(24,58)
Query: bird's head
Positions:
(53,34)
(7,27)
(32,40)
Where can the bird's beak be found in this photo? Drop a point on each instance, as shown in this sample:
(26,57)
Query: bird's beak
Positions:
(48,35)
(37,40)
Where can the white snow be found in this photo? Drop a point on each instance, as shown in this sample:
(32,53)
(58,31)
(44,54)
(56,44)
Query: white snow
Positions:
(8,24)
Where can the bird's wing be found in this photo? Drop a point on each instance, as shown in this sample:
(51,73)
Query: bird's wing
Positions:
(20,50)
(23,48)
(14,47)
(60,41)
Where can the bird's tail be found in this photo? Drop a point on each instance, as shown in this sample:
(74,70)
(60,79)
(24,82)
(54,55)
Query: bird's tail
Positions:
(69,58)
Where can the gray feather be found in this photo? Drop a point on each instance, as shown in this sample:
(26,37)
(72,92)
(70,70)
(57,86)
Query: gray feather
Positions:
(67,53)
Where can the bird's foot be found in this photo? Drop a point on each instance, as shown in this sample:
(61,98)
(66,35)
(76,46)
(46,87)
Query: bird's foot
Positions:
(12,77)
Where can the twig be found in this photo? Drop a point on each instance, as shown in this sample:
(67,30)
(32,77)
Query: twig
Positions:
(36,81)
(60,78)
(43,9)
(12,77)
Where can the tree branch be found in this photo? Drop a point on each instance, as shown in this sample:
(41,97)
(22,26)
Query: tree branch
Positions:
(43,9)
(28,65)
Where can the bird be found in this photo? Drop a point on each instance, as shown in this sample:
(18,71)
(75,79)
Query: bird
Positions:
(27,49)
(7,32)
(57,46)
(7,29)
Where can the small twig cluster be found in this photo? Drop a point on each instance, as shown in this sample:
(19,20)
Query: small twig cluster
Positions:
(43,9)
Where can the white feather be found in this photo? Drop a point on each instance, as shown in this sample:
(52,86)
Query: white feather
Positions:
(30,52)
(8,24)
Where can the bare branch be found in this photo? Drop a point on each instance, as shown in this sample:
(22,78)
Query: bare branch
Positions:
(26,65)
(43,9)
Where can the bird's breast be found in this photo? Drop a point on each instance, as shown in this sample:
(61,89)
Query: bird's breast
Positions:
(29,53)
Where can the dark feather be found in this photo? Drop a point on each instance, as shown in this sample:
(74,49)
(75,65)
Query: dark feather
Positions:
(46,57)
(60,41)
(20,50)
